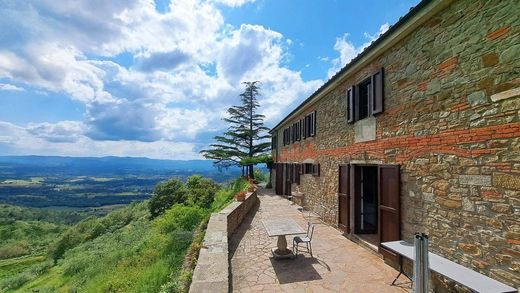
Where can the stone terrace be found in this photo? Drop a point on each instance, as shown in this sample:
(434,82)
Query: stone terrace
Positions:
(338,264)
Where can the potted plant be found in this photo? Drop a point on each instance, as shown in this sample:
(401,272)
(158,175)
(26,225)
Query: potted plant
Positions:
(240,196)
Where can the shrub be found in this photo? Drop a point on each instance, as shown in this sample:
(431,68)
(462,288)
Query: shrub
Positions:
(181,218)
(201,191)
(165,195)
(261,176)
(16,281)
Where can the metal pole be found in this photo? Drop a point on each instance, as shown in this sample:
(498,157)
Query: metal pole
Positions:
(417,265)
(421,268)
(425,263)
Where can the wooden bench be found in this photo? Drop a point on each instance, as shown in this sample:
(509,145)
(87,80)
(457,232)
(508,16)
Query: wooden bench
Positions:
(460,274)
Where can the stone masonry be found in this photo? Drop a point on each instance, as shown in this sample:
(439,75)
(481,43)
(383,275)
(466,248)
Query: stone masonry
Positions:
(452,123)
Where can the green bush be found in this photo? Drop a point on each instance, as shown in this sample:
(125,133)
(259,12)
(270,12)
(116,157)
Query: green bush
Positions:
(226,194)
(165,195)
(181,218)
(201,191)
(16,281)
(261,176)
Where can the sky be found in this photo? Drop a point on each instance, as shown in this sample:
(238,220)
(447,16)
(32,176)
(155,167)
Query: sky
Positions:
(153,79)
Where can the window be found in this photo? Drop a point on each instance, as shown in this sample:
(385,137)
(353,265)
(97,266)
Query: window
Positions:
(307,168)
(366,98)
(316,170)
(313,124)
(274,142)
(310,125)
(296,134)
(287,136)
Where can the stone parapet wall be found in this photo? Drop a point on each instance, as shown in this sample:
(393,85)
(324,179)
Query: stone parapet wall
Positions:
(452,123)
(212,271)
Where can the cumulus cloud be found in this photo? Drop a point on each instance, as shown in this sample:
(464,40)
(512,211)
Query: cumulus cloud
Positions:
(17,140)
(63,131)
(234,3)
(186,68)
(10,87)
(162,60)
(347,50)
(246,48)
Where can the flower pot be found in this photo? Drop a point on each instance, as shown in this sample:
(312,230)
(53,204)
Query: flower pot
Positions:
(241,196)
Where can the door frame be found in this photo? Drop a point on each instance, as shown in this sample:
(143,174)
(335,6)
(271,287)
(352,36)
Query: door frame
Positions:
(356,197)
(348,227)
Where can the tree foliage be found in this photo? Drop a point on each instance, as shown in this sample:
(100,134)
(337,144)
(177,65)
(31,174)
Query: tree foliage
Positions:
(246,136)
(165,195)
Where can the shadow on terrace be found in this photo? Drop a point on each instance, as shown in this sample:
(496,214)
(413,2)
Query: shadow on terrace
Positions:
(338,263)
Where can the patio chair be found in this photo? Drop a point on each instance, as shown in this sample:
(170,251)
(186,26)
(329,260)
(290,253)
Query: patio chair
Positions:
(304,239)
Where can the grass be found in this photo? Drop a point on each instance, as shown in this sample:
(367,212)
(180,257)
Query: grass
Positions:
(125,251)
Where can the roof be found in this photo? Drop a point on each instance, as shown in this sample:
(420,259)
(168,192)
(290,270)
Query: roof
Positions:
(390,33)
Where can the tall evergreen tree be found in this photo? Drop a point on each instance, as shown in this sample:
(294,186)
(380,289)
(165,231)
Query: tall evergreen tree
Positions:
(245,141)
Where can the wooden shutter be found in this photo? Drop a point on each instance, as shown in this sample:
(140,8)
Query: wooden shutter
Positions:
(344,198)
(316,170)
(313,124)
(350,105)
(356,103)
(287,182)
(297,172)
(298,131)
(378,92)
(302,130)
(279,178)
(304,127)
(389,207)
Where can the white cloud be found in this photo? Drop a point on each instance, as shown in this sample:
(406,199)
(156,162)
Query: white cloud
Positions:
(63,131)
(348,51)
(10,87)
(234,3)
(188,65)
(16,140)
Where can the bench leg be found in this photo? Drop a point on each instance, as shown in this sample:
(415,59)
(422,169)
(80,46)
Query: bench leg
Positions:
(401,271)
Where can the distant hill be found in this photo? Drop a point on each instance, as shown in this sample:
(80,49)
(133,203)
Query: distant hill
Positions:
(104,165)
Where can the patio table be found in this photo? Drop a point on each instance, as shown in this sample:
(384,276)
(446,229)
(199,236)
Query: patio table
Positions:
(281,228)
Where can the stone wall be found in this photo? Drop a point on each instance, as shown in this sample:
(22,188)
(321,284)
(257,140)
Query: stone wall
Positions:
(212,271)
(452,122)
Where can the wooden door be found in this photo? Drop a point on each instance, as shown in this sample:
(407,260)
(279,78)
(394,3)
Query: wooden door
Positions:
(344,198)
(279,179)
(288,181)
(389,207)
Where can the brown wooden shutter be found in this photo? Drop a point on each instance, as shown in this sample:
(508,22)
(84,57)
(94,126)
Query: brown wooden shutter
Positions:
(313,124)
(344,198)
(279,178)
(287,183)
(304,127)
(378,92)
(356,103)
(389,207)
(297,173)
(350,105)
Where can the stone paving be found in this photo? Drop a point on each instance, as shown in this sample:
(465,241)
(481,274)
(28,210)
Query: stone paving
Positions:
(339,265)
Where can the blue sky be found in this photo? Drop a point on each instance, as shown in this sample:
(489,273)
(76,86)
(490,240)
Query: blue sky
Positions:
(154,79)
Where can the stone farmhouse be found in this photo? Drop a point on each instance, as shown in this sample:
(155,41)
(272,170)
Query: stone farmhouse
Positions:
(419,133)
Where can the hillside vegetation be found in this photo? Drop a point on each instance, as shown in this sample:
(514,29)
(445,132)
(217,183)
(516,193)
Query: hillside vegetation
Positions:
(138,248)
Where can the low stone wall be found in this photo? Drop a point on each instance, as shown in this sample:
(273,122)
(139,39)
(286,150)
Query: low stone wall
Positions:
(212,271)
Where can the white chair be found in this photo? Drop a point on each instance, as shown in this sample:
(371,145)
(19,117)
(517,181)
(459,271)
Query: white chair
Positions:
(304,239)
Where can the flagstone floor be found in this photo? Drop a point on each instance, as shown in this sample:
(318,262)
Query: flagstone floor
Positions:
(338,265)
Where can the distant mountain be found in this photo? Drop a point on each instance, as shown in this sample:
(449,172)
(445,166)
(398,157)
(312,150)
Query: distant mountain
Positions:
(104,165)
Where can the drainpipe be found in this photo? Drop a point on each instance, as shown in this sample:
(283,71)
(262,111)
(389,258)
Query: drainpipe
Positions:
(421,267)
